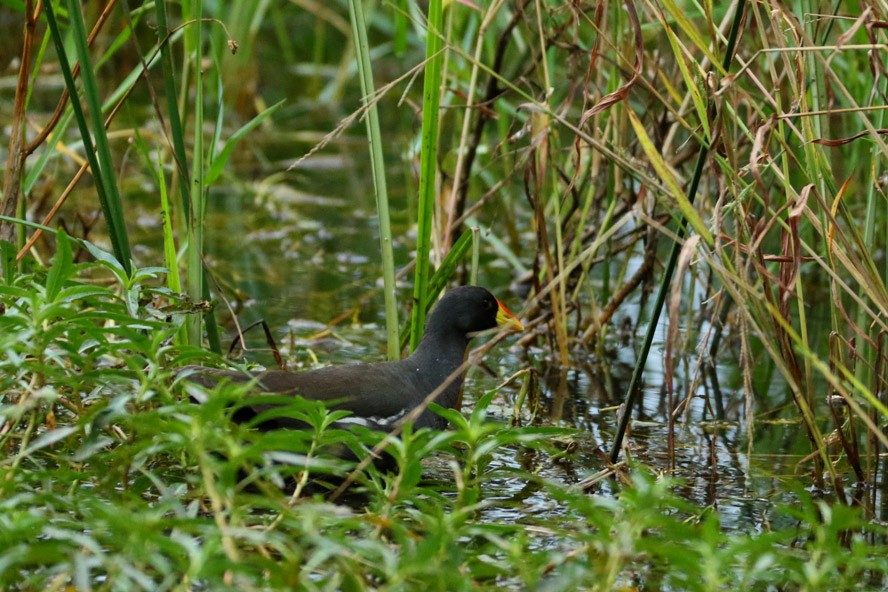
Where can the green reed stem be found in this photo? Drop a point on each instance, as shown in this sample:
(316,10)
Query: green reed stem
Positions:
(476,255)
(431,101)
(400,45)
(635,383)
(169,243)
(176,130)
(377,161)
(99,159)
(196,219)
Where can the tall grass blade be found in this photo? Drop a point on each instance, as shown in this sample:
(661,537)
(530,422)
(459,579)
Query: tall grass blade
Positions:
(209,318)
(691,81)
(217,165)
(169,244)
(113,208)
(377,161)
(177,131)
(100,158)
(448,268)
(680,14)
(685,204)
(431,101)
(400,43)
(196,220)
(476,255)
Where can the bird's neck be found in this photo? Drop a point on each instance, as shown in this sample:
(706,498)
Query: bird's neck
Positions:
(441,354)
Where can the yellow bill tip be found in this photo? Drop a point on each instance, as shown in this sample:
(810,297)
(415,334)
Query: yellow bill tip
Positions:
(505,318)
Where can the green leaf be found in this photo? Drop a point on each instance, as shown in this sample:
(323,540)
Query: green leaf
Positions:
(686,25)
(442,275)
(79,292)
(448,266)
(454,417)
(100,160)
(7,260)
(108,260)
(697,97)
(481,405)
(665,174)
(62,267)
(428,167)
(15,292)
(50,438)
(221,159)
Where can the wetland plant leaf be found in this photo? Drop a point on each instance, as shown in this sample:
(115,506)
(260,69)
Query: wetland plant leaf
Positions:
(109,261)
(448,266)
(687,73)
(50,438)
(453,417)
(443,275)
(62,267)
(7,260)
(221,159)
(668,178)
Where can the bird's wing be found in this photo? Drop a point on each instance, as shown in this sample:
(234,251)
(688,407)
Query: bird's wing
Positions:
(369,390)
(380,390)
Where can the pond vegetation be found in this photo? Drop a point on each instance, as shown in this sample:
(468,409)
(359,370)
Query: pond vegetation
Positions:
(684,202)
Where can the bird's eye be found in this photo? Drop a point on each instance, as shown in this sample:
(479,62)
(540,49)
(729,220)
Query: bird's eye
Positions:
(490,304)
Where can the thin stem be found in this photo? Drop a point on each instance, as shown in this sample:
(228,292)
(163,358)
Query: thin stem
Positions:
(635,382)
(431,101)
(365,73)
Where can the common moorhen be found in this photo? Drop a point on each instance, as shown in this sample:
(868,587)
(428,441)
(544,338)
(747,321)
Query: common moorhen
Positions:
(380,394)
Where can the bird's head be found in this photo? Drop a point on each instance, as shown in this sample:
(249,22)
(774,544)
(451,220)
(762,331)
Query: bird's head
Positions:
(470,310)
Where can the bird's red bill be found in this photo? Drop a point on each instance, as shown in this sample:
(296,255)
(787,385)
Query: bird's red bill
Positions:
(504,316)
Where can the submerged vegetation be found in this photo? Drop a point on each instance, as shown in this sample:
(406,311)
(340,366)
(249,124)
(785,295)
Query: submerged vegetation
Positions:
(726,157)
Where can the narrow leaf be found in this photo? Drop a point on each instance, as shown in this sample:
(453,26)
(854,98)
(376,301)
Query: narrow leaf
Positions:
(454,417)
(49,438)
(222,158)
(448,266)
(7,259)
(653,154)
(103,256)
(684,23)
(690,81)
(62,267)
(431,101)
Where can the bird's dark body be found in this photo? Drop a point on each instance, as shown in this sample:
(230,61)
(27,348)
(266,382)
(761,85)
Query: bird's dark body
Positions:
(381,394)
(374,392)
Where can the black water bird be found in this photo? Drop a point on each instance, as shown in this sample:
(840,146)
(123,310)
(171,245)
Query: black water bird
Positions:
(378,395)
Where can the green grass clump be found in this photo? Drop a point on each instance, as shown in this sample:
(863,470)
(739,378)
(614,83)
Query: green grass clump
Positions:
(113,478)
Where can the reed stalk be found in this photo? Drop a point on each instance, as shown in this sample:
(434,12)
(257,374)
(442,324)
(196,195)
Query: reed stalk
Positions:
(177,131)
(377,162)
(195,222)
(100,160)
(431,100)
